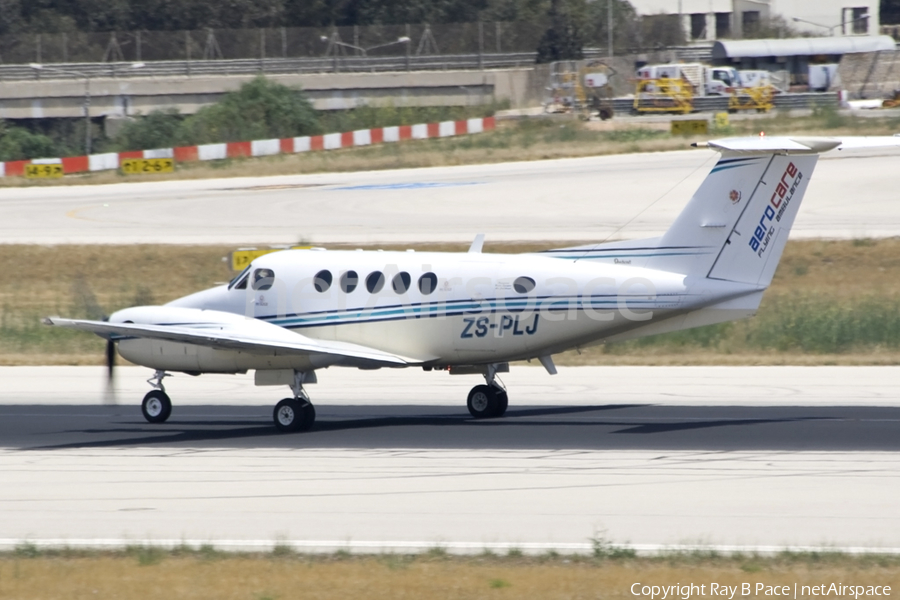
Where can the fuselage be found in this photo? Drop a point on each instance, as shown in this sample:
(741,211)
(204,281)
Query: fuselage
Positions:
(447,309)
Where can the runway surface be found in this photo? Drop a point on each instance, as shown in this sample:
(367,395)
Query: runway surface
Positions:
(757,456)
(623,196)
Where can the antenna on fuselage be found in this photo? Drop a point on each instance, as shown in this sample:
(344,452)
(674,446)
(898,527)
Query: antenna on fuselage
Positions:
(477,244)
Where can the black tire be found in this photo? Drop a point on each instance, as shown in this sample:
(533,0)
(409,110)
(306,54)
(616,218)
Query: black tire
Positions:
(309,417)
(502,402)
(156,406)
(482,402)
(291,415)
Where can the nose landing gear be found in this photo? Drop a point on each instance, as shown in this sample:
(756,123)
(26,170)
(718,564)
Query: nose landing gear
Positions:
(156,406)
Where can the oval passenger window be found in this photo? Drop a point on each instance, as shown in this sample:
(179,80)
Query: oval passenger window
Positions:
(322,280)
(523,285)
(427,283)
(374,282)
(349,281)
(401,282)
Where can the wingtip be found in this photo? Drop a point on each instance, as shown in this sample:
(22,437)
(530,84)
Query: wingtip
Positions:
(48,320)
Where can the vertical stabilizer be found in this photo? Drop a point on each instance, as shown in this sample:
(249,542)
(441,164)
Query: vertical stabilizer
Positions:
(738,221)
(754,247)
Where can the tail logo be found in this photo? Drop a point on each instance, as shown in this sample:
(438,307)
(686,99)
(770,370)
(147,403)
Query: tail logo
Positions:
(780,200)
(735,196)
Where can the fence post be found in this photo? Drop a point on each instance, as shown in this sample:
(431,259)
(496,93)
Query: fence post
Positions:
(497,30)
(262,49)
(481,45)
(66,47)
(137,45)
(283,42)
(408,44)
(187,51)
(37,48)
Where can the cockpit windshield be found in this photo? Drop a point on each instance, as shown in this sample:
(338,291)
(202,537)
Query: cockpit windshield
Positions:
(236,283)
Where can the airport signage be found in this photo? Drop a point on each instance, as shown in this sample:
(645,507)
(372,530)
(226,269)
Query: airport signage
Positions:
(690,127)
(44,171)
(139,166)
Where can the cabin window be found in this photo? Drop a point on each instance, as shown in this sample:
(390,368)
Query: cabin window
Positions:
(322,280)
(263,279)
(374,282)
(401,282)
(349,281)
(427,283)
(523,285)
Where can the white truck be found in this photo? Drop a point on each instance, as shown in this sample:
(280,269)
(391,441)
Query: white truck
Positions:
(705,80)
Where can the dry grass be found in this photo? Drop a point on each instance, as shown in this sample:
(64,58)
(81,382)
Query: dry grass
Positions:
(148,575)
(90,281)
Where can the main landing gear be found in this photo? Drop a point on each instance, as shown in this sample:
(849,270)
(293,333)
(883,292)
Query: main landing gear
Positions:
(291,414)
(297,413)
(490,400)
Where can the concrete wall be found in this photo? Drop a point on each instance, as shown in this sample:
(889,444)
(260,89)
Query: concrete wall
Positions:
(328,91)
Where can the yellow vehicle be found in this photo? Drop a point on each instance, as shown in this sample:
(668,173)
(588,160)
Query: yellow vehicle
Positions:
(580,87)
(666,95)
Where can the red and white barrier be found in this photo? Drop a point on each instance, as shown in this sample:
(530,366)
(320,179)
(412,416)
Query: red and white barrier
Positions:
(330,141)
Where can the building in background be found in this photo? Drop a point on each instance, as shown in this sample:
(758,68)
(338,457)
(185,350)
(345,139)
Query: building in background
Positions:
(707,20)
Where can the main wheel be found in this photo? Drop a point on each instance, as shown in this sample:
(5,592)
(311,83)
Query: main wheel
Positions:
(483,402)
(293,415)
(156,406)
(502,402)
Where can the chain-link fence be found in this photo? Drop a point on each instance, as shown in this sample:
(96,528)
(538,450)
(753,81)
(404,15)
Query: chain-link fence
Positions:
(284,42)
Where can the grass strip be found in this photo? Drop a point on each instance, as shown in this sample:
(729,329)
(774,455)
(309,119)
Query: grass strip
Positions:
(141,572)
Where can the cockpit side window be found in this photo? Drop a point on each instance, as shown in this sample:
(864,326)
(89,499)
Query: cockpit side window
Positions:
(240,280)
(263,279)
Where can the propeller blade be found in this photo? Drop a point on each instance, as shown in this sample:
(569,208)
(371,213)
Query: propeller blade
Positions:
(110,372)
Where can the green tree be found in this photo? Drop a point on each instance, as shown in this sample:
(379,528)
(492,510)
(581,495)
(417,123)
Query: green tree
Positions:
(564,39)
(260,109)
(17,143)
(159,129)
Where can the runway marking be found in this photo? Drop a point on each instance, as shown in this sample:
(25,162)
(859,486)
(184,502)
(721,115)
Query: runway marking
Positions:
(407,186)
(73,214)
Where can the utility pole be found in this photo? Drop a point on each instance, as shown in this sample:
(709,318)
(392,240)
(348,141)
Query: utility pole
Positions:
(609,27)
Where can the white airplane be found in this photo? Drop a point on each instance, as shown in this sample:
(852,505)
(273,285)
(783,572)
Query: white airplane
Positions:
(293,312)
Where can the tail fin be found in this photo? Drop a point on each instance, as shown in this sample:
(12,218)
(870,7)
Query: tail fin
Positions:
(739,219)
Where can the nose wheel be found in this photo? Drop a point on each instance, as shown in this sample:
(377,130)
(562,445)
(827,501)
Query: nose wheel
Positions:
(156,406)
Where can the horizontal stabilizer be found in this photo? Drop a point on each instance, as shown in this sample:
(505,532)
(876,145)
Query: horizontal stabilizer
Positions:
(798,144)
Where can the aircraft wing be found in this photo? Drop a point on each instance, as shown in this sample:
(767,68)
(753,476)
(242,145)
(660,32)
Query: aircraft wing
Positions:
(235,333)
